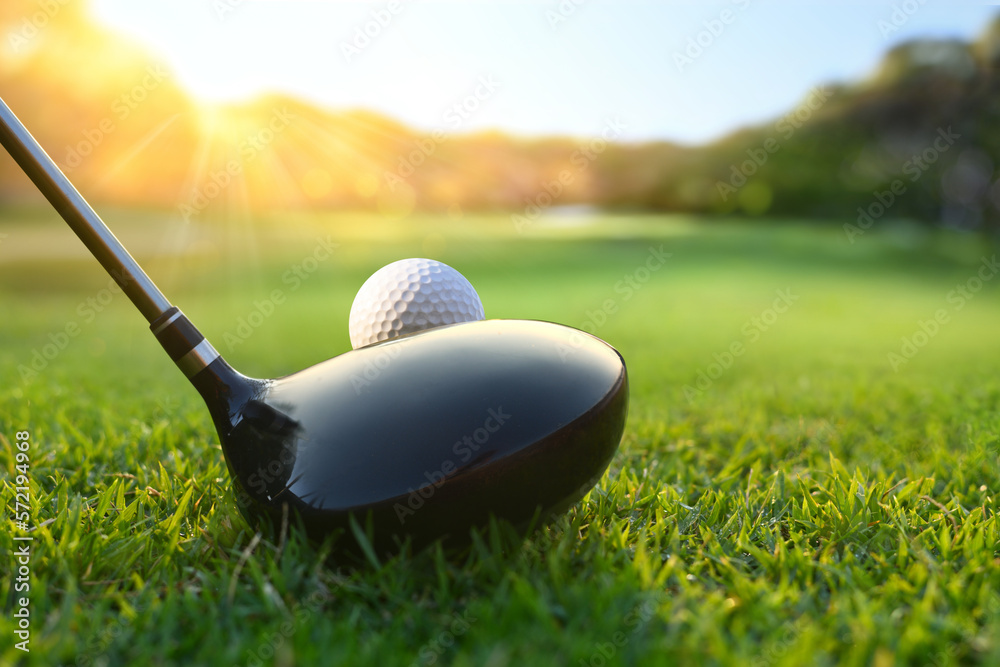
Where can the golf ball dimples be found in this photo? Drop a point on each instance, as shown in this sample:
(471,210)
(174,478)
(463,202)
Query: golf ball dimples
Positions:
(408,296)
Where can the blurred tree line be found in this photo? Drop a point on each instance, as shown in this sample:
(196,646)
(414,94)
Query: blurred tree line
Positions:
(919,138)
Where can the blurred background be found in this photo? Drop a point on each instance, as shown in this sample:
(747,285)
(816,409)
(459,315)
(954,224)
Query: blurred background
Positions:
(848,150)
(799,110)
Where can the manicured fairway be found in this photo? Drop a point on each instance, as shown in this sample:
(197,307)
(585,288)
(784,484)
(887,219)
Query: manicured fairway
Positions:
(787,491)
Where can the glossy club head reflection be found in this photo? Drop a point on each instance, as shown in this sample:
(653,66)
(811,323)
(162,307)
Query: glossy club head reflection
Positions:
(428,435)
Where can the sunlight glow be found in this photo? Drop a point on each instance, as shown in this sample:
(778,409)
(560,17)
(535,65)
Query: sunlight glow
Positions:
(606,58)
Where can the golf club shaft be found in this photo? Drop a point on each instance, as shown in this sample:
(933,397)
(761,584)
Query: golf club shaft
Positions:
(186,346)
(79,215)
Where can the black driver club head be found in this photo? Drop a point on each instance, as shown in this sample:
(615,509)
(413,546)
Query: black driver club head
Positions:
(425,436)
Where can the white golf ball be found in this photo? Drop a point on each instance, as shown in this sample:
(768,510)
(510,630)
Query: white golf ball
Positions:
(408,296)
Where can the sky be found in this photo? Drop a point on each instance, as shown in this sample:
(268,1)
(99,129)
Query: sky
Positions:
(562,67)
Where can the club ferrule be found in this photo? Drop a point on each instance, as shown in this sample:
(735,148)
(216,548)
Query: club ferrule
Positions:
(185,345)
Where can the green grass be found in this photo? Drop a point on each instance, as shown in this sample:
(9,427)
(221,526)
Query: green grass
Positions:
(810,505)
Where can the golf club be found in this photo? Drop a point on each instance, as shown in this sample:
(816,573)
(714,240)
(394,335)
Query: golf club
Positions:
(417,438)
